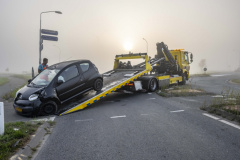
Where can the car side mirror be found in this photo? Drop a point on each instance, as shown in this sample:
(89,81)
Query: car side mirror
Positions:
(29,81)
(191,57)
(59,81)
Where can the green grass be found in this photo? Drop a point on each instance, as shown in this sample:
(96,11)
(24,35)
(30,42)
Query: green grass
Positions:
(200,75)
(23,76)
(3,80)
(16,131)
(236,81)
(229,102)
(181,91)
(10,95)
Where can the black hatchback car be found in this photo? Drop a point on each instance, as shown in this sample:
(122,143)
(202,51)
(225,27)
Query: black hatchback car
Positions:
(56,85)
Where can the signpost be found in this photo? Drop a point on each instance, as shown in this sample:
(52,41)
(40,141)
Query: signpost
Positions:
(44,35)
(51,32)
(46,31)
(205,69)
(1,118)
(49,38)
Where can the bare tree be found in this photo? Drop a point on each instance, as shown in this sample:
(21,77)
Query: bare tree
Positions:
(7,69)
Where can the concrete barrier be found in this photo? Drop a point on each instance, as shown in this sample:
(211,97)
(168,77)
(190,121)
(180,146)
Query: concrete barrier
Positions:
(1,118)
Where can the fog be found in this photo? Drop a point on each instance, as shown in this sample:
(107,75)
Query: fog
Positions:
(98,30)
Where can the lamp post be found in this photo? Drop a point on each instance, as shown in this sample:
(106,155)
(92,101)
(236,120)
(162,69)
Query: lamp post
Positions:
(40,40)
(147,43)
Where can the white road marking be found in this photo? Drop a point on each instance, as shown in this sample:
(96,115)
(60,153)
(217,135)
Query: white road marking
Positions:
(83,120)
(177,111)
(144,114)
(191,100)
(118,116)
(149,93)
(220,75)
(45,119)
(52,118)
(230,124)
(151,98)
(210,116)
(217,96)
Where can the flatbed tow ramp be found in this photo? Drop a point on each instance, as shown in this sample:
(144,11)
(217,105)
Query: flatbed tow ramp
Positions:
(115,79)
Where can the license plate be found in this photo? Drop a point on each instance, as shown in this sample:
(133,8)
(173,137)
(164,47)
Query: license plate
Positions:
(18,109)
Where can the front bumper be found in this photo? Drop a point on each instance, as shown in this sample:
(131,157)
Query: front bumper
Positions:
(26,107)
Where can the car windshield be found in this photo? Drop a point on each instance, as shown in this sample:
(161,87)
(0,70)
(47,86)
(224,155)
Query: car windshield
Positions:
(45,77)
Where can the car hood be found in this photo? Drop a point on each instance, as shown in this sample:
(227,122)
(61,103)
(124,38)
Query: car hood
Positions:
(27,91)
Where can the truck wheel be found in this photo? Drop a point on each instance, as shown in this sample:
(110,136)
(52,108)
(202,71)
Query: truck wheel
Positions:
(184,80)
(152,85)
(98,84)
(48,108)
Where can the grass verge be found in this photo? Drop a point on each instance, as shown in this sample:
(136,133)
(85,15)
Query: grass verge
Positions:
(22,76)
(16,135)
(227,105)
(236,81)
(3,80)
(11,95)
(180,91)
(200,75)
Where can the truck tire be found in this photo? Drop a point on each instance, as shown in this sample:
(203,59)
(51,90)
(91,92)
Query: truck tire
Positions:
(153,85)
(48,108)
(98,84)
(184,80)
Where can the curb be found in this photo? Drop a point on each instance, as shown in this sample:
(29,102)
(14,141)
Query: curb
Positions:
(31,149)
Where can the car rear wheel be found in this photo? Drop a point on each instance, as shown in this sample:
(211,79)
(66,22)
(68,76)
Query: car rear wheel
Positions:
(153,85)
(48,108)
(98,84)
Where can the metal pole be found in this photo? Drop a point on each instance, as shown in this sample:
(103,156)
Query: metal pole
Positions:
(40,39)
(58,12)
(147,43)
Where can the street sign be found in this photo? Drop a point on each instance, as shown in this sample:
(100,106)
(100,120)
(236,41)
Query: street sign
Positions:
(49,38)
(46,31)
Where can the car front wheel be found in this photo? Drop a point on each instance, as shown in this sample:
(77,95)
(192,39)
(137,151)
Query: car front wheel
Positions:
(48,108)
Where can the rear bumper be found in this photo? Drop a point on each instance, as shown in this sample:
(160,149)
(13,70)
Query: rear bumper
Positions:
(26,107)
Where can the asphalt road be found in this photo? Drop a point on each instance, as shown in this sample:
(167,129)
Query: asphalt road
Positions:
(146,126)
(217,83)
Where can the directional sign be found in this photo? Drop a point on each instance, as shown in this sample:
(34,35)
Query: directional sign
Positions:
(49,38)
(46,31)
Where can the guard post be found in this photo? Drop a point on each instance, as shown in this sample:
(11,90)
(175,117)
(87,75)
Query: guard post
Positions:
(1,118)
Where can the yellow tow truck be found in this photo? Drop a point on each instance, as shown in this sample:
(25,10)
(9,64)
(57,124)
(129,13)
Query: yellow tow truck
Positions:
(168,67)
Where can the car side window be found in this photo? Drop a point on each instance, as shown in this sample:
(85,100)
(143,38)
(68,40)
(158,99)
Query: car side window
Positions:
(68,73)
(84,66)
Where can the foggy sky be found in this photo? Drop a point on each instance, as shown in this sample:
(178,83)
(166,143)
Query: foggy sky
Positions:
(97,29)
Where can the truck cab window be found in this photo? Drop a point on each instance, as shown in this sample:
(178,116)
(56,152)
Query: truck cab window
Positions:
(186,56)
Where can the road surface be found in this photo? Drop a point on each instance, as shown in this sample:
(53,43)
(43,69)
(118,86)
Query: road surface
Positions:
(146,126)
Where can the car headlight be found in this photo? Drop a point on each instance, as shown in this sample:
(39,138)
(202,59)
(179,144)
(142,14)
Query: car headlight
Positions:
(17,92)
(33,97)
